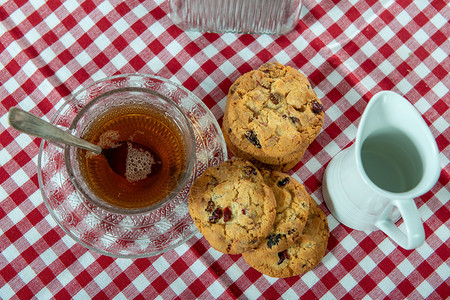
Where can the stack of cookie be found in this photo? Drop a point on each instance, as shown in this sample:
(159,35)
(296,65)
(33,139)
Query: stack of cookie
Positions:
(272,115)
(265,215)
(247,205)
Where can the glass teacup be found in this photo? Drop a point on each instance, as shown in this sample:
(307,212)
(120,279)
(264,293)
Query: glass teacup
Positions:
(156,152)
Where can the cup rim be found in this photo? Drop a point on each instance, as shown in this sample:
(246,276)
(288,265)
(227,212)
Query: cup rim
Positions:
(190,147)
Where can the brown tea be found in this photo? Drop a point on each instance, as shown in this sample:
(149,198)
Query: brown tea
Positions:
(143,159)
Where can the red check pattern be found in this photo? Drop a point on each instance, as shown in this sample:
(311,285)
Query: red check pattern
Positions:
(350,50)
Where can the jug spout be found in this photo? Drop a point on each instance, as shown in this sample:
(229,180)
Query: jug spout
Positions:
(387,110)
(395,150)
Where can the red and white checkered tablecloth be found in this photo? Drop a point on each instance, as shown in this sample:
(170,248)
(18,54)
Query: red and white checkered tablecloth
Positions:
(349,50)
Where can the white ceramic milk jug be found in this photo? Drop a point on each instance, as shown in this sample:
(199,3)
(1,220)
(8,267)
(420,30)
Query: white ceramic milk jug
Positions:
(371,185)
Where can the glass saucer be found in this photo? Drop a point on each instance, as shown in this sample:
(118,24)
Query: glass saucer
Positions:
(124,235)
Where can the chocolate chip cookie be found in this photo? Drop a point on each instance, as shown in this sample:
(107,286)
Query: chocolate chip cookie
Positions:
(272,115)
(292,210)
(232,206)
(301,257)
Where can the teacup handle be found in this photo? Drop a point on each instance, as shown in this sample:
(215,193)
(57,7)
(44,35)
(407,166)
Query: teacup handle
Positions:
(415,234)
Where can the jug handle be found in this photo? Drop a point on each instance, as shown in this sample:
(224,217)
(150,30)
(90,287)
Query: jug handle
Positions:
(415,234)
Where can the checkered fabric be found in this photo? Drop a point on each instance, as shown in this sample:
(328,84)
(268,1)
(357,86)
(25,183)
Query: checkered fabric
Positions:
(349,50)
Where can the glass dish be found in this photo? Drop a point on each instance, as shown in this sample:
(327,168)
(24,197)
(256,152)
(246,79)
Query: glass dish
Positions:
(241,16)
(109,232)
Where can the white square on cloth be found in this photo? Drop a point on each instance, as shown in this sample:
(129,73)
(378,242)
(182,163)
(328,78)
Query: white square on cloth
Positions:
(310,279)
(7,292)
(71,6)
(403,18)
(348,282)
(386,246)
(32,236)
(313,165)
(386,33)
(29,68)
(67,40)
(182,249)
(264,40)
(317,28)
(13,49)
(178,286)
(369,48)
(105,7)
(161,265)
(404,86)
(198,268)
(102,42)
(174,48)
(47,55)
(102,280)
(368,82)
(45,87)
(252,292)
(386,285)
(138,45)
(425,289)
(438,20)
(210,51)
(349,243)
(422,105)
(439,55)
(422,70)
(27,274)
(4,156)
(36,3)
(121,25)
(51,20)
(124,263)
(140,11)
(155,64)
(11,85)
(351,31)
(86,260)
(386,67)
(141,282)
(17,17)
(32,36)
(367,264)
(156,29)
(442,270)
(86,24)
(20,177)
(227,68)
(10,253)
(48,257)
(81,295)
(216,289)
(44,293)
(330,261)
(301,43)
(335,13)
(440,124)
(83,58)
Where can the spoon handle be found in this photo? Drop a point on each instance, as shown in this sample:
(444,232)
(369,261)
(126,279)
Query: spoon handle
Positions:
(32,125)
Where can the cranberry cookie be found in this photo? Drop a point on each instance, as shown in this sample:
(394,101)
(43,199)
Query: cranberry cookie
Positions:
(232,206)
(301,257)
(292,210)
(272,115)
